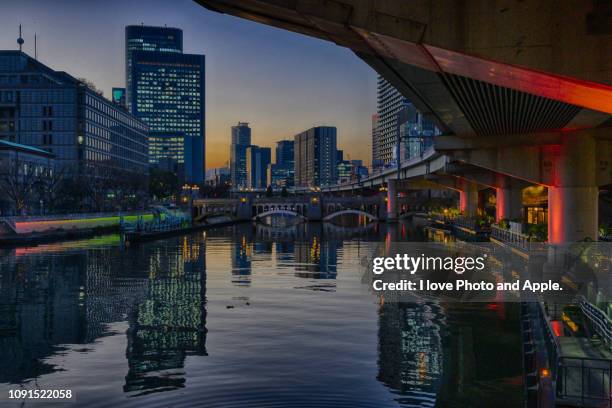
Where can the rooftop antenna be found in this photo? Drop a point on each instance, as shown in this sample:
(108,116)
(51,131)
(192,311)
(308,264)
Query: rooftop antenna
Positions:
(35,48)
(20,40)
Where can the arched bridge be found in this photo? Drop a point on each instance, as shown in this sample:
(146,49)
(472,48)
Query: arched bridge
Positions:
(281,212)
(350,211)
(311,207)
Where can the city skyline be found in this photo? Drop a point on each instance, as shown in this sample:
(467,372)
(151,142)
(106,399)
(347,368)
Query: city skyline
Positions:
(292,73)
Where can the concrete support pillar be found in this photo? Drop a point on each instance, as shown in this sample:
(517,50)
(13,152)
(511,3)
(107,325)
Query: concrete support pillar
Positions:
(572,199)
(509,199)
(468,198)
(392,200)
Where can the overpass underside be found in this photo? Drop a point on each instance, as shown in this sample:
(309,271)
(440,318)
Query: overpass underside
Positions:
(520,90)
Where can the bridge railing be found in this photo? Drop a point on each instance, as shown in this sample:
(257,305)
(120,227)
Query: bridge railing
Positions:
(585,381)
(467,222)
(516,239)
(599,320)
(579,381)
(280,200)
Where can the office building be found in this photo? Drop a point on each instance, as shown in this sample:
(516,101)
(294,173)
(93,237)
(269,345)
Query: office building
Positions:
(167,150)
(22,165)
(315,157)
(358,170)
(281,174)
(218,176)
(241,139)
(87,133)
(257,162)
(397,118)
(284,152)
(147,38)
(344,171)
(165,88)
(390,102)
(416,133)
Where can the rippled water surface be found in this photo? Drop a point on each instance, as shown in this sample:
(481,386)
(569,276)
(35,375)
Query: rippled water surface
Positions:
(242,316)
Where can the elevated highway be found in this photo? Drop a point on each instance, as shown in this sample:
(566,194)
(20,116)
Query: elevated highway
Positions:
(520,90)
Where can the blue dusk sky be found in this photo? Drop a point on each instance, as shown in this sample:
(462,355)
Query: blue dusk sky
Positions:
(278,81)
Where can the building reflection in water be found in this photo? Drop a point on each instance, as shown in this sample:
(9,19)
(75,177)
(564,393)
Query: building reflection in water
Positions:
(242,251)
(410,358)
(56,295)
(39,309)
(170,322)
(60,294)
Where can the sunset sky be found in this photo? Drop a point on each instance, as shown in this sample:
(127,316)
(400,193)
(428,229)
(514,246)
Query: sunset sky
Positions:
(279,82)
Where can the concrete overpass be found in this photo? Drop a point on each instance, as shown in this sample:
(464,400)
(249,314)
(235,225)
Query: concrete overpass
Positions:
(520,89)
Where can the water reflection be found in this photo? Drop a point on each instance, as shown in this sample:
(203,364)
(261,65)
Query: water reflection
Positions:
(58,295)
(289,318)
(410,351)
(170,321)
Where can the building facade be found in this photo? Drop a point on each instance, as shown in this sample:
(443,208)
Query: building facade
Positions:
(315,157)
(344,171)
(390,101)
(376,160)
(241,139)
(284,152)
(167,150)
(147,38)
(257,162)
(165,89)
(416,133)
(218,176)
(21,169)
(88,134)
(397,119)
(281,174)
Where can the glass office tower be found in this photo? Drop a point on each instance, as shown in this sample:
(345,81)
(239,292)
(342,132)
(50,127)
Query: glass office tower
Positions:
(257,162)
(316,157)
(241,139)
(165,88)
(281,174)
(147,38)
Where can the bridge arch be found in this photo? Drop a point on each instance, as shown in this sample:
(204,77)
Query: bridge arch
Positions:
(278,212)
(350,211)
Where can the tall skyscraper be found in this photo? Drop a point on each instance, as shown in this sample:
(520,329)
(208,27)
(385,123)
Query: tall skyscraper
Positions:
(257,162)
(165,88)
(397,117)
(147,38)
(390,102)
(315,157)
(241,139)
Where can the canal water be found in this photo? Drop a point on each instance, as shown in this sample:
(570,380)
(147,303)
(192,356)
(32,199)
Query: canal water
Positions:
(243,316)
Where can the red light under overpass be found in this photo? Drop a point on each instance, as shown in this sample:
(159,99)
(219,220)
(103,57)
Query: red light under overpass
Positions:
(590,95)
